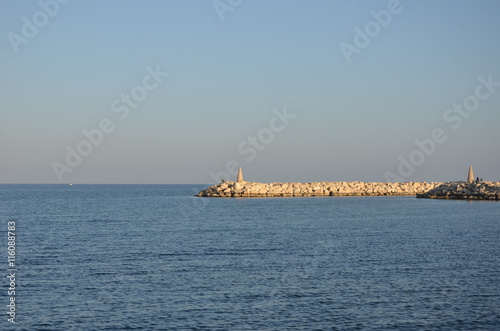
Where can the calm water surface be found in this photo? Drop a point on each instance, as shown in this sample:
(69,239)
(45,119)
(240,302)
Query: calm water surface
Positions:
(152,257)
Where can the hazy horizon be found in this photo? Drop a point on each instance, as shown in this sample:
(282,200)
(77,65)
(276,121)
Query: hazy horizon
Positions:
(124,92)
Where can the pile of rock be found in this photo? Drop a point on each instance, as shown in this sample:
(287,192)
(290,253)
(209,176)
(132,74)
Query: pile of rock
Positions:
(471,189)
(227,189)
(479,190)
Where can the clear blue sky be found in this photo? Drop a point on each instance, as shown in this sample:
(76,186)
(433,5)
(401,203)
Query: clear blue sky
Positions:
(354,121)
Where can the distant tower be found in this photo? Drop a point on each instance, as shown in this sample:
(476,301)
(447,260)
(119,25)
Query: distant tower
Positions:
(470,178)
(239,179)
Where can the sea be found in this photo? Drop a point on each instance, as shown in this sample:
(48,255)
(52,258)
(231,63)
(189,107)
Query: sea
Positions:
(155,257)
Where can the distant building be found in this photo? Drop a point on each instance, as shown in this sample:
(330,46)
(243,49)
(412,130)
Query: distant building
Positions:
(470,178)
(239,179)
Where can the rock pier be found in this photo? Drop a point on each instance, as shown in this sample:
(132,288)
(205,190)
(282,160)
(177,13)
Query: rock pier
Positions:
(237,189)
(470,189)
(478,190)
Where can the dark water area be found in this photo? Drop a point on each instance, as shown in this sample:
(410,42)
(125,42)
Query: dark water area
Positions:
(153,257)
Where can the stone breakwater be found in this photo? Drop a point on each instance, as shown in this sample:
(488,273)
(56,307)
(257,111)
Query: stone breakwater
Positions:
(463,190)
(242,189)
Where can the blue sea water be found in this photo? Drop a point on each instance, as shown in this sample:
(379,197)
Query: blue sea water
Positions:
(153,257)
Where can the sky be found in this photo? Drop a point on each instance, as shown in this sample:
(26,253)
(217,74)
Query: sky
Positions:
(180,92)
